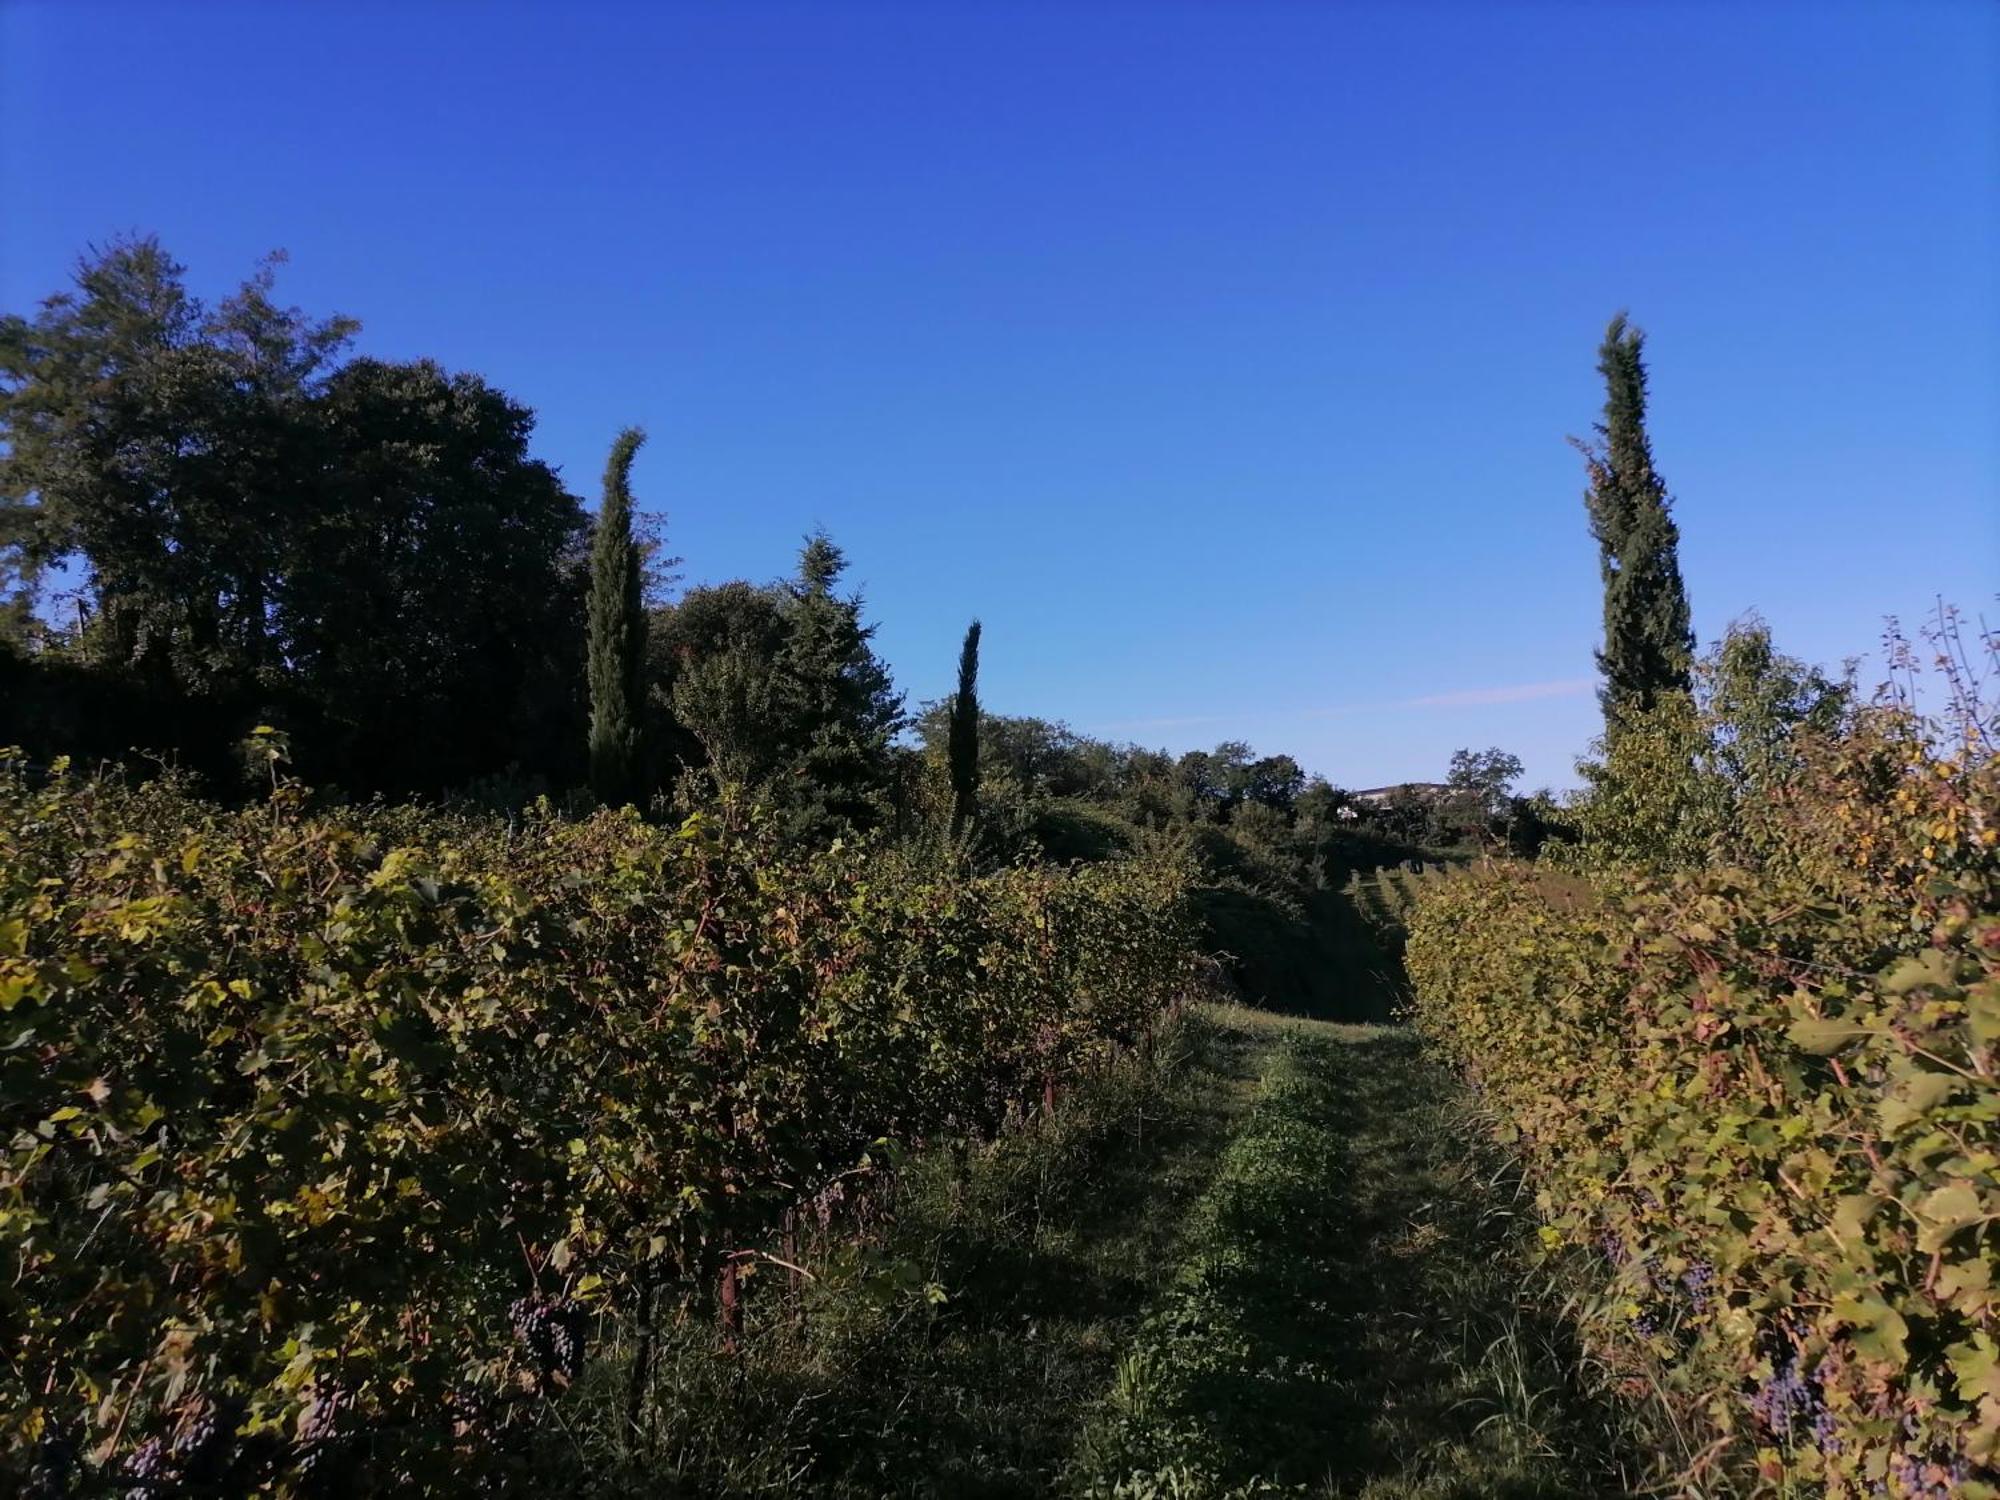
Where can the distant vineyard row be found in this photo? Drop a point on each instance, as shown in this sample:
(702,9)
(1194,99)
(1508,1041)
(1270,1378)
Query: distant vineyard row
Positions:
(329,1133)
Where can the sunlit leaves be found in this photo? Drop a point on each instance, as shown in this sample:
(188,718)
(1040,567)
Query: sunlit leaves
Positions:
(297,1105)
(1788,1069)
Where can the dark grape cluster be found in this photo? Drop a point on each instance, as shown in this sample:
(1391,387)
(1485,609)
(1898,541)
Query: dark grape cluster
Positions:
(150,1470)
(1666,1299)
(324,1438)
(467,1408)
(1788,1400)
(550,1329)
(1919,1478)
(201,1443)
(1698,1283)
(195,1454)
(1659,1312)
(323,1419)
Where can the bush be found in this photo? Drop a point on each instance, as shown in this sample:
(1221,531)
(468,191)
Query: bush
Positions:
(1766,1093)
(330,1134)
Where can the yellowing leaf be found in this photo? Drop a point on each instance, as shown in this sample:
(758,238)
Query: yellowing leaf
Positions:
(1945,1212)
(1822,1037)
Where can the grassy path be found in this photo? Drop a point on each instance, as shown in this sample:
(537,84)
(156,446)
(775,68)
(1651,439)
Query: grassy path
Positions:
(1349,1317)
(1273,1264)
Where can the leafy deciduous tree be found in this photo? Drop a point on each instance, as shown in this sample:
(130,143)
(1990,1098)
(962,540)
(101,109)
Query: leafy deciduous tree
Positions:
(156,442)
(435,591)
(258,532)
(1484,778)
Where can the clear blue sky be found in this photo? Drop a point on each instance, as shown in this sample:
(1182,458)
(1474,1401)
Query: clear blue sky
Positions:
(1219,356)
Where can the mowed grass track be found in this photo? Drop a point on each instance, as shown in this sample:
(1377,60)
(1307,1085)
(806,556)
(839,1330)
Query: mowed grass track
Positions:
(1351,1313)
(1276,1260)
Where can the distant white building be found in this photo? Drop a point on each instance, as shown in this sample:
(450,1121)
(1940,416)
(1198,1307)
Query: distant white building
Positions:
(1422,791)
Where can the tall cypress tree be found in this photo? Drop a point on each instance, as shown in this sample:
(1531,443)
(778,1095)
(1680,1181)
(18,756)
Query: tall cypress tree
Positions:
(1648,640)
(617,634)
(962,745)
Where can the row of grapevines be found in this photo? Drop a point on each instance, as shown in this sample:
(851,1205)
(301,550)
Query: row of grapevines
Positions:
(1768,1098)
(326,1132)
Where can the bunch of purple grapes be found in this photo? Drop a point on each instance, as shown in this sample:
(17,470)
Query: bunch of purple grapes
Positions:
(1698,1282)
(550,1329)
(1660,1310)
(1788,1400)
(150,1470)
(196,1454)
(1919,1478)
(324,1440)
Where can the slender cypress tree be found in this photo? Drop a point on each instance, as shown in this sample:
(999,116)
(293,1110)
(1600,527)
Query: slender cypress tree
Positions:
(617,634)
(962,745)
(1648,639)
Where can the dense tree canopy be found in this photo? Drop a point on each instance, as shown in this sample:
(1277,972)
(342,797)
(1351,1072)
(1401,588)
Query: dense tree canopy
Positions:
(157,444)
(416,677)
(243,528)
(777,689)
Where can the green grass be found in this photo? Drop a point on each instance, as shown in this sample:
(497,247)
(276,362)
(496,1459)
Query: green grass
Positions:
(1275,1257)
(1350,1315)
(958,1349)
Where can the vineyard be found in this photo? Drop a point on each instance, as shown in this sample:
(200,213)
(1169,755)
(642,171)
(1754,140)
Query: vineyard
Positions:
(1761,1099)
(489,1006)
(334,1136)
(361,1148)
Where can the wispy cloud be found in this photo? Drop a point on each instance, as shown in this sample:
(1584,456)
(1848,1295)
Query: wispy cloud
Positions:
(1524,692)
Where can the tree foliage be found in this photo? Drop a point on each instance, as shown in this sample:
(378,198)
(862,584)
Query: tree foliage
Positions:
(157,442)
(401,673)
(840,707)
(963,745)
(1479,784)
(1648,638)
(617,635)
(777,689)
(251,529)
(1672,788)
